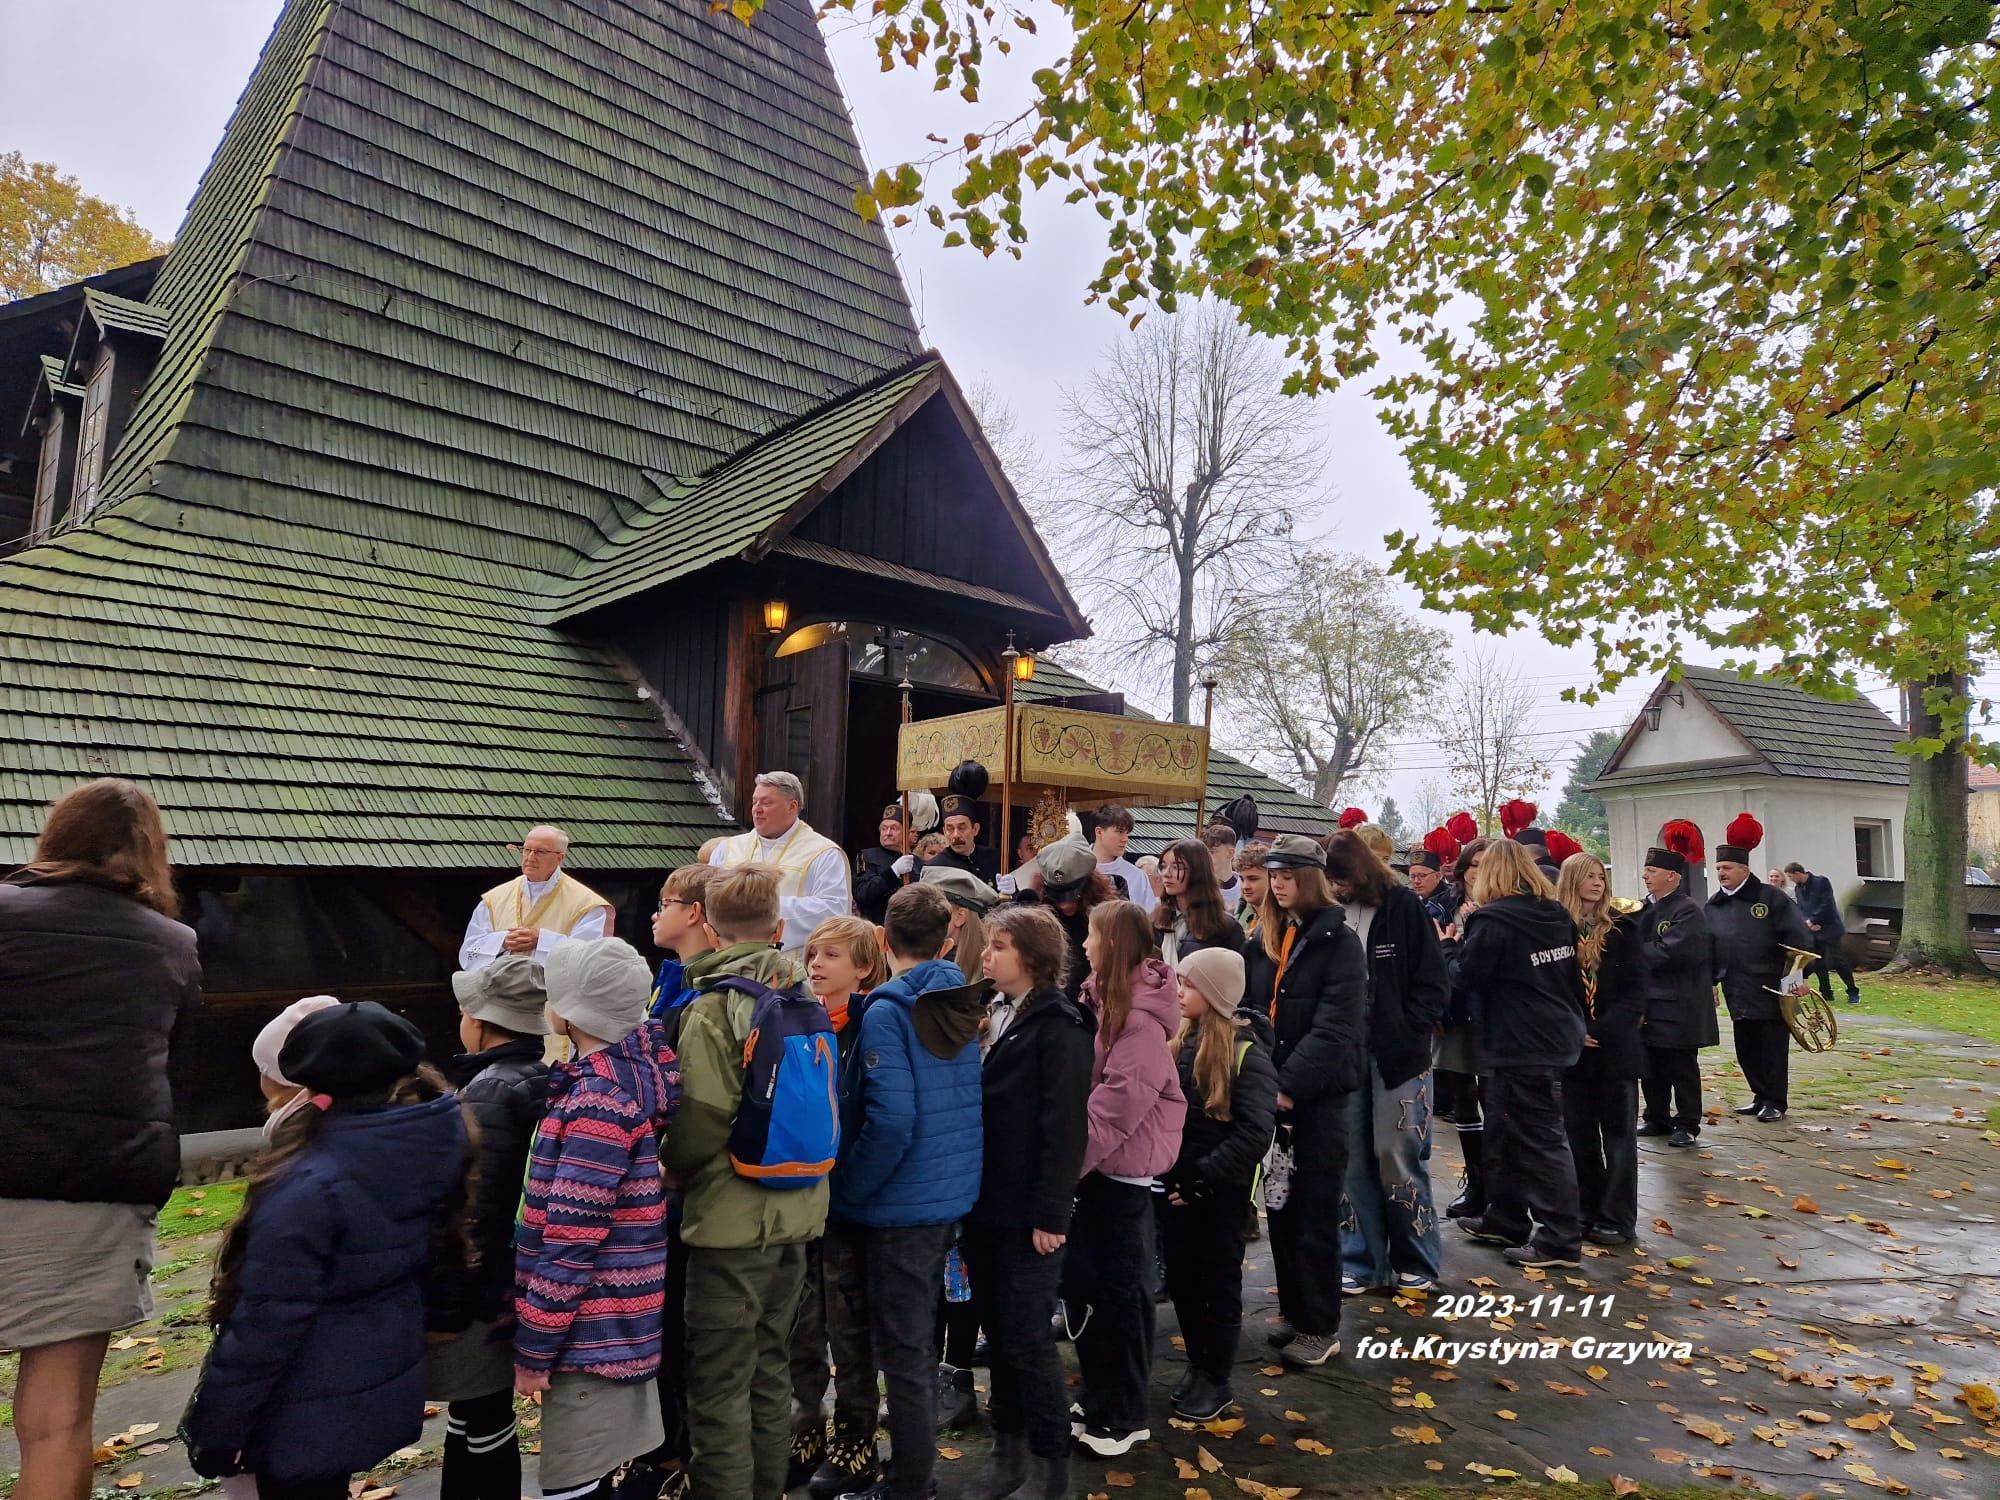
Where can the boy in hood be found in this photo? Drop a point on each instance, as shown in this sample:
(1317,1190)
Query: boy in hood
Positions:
(746,1243)
(910,1152)
(590,1260)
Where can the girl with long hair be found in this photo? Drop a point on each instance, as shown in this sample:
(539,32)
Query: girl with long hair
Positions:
(1391,1240)
(96,978)
(1191,916)
(1457,1070)
(1307,972)
(1034,1101)
(1601,1092)
(1224,1055)
(317,1369)
(1519,957)
(1136,1111)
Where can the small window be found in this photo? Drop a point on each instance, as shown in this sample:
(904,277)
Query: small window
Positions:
(798,741)
(1871,849)
(90,446)
(883,651)
(49,496)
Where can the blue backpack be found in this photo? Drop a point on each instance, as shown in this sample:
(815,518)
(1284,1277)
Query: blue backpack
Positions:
(787,1131)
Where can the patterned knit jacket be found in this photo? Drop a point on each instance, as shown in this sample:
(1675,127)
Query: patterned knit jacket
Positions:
(590,1261)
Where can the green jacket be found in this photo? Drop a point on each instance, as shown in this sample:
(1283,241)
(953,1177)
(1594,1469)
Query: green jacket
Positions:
(720,1210)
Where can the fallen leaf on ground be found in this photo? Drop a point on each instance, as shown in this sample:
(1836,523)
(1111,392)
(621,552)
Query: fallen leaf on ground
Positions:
(1561,1474)
(1815,1416)
(1435,1465)
(1418,1435)
(1507,1416)
(1311,1445)
(1867,1421)
(130,1481)
(1715,1432)
(152,1448)
(1119,1480)
(1505,1384)
(1602,1452)
(1207,1460)
(1803,1204)
(1597,1372)
(1295,1416)
(1620,1485)
(1565,1390)
(126,1343)
(1670,1455)
(1265,1440)
(1270,1369)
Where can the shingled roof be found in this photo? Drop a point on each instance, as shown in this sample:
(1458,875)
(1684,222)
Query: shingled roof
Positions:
(1783,730)
(1285,809)
(468,285)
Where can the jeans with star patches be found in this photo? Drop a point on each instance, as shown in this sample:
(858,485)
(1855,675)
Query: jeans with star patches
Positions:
(1388,1226)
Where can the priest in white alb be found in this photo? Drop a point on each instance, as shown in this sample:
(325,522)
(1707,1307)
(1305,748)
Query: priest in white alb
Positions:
(815,884)
(537,909)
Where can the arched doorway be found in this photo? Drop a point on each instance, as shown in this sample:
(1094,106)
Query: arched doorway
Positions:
(831,704)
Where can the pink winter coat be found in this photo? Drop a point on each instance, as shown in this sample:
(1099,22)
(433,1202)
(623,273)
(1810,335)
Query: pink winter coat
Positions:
(1136,1104)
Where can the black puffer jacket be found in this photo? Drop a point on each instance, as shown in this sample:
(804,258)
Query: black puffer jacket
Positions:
(1222,1156)
(506,1091)
(1320,1014)
(93,987)
(1035,1101)
(1519,957)
(1408,986)
(1673,971)
(1751,930)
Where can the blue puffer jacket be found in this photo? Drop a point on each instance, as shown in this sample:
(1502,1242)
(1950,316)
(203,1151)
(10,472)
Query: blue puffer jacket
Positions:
(910,1142)
(319,1367)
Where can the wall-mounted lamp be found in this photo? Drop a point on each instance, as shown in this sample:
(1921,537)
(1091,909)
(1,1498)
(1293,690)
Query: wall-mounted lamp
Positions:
(776,613)
(1653,715)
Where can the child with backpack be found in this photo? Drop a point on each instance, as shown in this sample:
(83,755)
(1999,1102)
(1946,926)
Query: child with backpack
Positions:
(503,1083)
(317,1369)
(1224,1055)
(590,1259)
(1034,1107)
(680,929)
(750,1149)
(843,960)
(909,1168)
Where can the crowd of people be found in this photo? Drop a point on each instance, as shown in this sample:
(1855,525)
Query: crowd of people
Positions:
(853,1138)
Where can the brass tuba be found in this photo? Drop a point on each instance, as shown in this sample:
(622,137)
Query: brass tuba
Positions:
(1807,1015)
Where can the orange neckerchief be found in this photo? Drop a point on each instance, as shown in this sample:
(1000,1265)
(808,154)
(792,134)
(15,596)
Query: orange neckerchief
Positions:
(1284,958)
(837,1013)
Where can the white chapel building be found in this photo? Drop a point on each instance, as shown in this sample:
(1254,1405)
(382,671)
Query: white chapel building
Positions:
(1822,777)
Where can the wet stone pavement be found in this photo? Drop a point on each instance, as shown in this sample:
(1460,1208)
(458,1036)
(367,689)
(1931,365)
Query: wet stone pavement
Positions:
(1837,1276)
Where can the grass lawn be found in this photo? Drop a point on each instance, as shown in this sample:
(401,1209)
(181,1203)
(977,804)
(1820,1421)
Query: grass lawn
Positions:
(1968,1005)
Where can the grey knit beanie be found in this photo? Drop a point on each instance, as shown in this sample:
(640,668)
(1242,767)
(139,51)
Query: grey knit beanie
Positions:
(1218,974)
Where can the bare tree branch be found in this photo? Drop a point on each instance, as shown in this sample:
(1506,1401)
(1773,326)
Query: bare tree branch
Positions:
(1186,463)
(1487,719)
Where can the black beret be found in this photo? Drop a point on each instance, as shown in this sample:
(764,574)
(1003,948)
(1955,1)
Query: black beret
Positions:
(356,1048)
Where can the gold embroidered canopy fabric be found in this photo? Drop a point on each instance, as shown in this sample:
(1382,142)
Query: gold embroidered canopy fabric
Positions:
(1093,757)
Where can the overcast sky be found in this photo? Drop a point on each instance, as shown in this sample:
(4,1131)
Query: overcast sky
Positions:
(146,86)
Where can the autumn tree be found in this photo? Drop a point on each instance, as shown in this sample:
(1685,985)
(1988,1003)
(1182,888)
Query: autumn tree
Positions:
(1702,300)
(53,233)
(1322,667)
(1486,721)
(1581,813)
(1185,465)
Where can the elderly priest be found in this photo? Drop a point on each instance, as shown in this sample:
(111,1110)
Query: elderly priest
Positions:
(537,909)
(815,884)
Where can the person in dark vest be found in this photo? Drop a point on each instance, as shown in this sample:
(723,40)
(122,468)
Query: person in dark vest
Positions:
(1673,972)
(1752,926)
(1813,894)
(961,833)
(1601,1091)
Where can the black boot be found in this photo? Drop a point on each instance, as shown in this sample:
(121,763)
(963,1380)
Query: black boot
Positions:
(1471,1203)
(1049,1479)
(958,1402)
(1005,1472)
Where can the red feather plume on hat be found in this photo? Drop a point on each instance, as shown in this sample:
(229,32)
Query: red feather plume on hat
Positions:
(1352,817)
(1440,842)
(1684,839)
(1562,846)
(1516,815)
(1744,832)
(1462,826)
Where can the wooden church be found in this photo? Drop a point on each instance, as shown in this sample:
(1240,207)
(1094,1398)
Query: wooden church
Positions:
(523,427)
